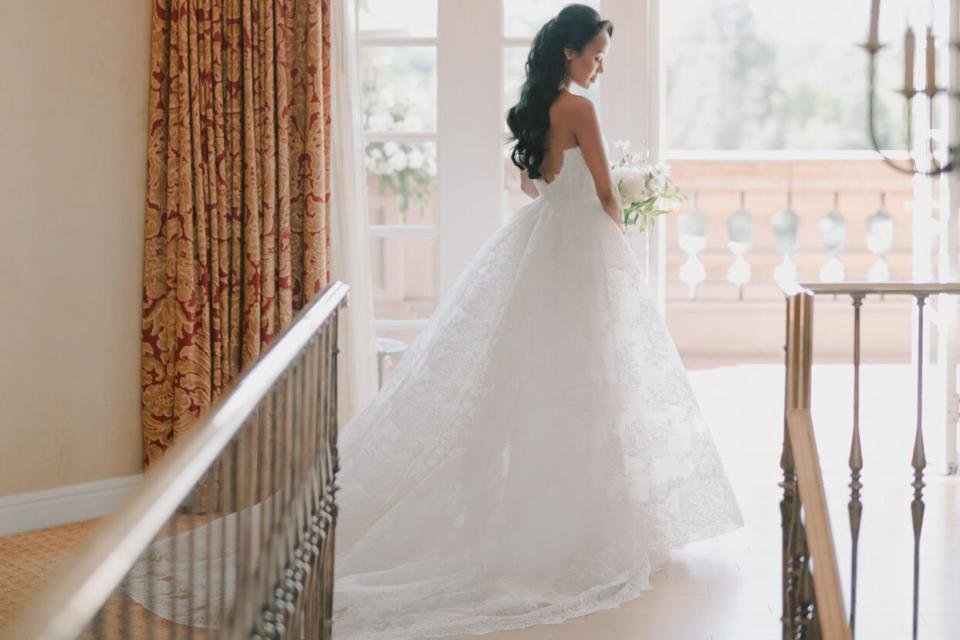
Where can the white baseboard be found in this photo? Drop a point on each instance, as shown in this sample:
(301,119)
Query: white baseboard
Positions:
(63,505)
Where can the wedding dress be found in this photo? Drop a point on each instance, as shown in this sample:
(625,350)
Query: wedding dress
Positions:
(532,458)
(536,452)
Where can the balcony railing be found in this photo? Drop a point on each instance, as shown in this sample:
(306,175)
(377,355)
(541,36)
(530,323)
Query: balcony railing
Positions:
(232,534)
(813,604)
(756,221)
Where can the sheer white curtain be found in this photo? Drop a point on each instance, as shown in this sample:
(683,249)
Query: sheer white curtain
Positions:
(350,262)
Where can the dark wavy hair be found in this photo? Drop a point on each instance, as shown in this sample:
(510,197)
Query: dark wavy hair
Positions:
(529,120)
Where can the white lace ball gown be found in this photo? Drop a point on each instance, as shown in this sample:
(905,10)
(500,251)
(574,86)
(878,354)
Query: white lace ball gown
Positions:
(537,451)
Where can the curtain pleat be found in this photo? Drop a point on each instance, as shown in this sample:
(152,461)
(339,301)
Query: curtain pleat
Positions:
(237,233)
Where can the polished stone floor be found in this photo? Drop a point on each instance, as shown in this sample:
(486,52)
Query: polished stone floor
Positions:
(728,588)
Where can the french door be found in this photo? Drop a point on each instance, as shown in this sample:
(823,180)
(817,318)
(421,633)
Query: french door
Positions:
(438,76)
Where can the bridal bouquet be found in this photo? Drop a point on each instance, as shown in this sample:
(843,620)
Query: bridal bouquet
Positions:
(646,190)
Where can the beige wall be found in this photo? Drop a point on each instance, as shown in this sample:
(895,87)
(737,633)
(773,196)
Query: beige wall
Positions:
(73,93)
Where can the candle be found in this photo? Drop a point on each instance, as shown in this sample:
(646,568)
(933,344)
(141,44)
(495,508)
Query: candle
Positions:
(931,63)
(873,41)
(909,44)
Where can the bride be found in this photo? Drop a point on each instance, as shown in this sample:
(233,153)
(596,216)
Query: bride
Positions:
(538,451)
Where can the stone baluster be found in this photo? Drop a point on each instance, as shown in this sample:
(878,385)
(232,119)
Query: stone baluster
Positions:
(880,242)
(786,237)
(692,239)
(739,240)
(833,235)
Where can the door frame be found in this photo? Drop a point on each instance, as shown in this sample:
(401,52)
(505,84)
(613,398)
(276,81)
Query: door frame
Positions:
(632,103)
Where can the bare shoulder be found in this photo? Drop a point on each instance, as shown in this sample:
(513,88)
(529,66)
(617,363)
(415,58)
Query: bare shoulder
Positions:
(574,106)
(574,116)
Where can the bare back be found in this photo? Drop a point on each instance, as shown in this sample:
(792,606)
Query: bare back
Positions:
(561,135)
(573,123)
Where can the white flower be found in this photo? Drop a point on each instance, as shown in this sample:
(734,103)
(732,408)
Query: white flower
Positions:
(390,149)
(632,183)
(620,172)
(644,186)
(414,159)
(398,161)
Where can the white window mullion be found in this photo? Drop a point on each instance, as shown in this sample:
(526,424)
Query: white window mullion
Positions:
(400,136)
(469,131)
(399,230)
(396,41)
(399,242)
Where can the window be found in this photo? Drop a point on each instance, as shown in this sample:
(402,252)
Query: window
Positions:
(437,79)
(760,75)
(398,75)
(766,130)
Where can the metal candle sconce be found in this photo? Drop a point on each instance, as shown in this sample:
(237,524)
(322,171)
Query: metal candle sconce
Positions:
(909,91)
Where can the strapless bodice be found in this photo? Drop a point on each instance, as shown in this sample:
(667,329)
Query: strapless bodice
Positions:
(573,182)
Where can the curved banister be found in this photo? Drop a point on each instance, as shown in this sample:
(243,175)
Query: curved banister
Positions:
(84,588)
(817,531)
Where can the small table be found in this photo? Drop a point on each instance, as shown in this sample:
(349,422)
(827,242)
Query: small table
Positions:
(388,348)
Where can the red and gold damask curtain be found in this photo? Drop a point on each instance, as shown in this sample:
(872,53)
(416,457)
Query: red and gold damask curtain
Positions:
(237,219)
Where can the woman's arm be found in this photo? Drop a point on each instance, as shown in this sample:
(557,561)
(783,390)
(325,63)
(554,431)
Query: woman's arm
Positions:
(586,127)
(527,185)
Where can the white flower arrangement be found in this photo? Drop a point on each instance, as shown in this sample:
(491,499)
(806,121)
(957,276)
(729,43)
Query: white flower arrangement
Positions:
(646,190)
(406,169)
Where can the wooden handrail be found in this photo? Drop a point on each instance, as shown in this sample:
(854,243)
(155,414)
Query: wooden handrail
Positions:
(81,591)
(816,522)
(874,288)
(810,536)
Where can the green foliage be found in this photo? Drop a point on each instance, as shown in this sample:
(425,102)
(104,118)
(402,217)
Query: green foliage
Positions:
(407,170)
(645,211)
(732,85)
